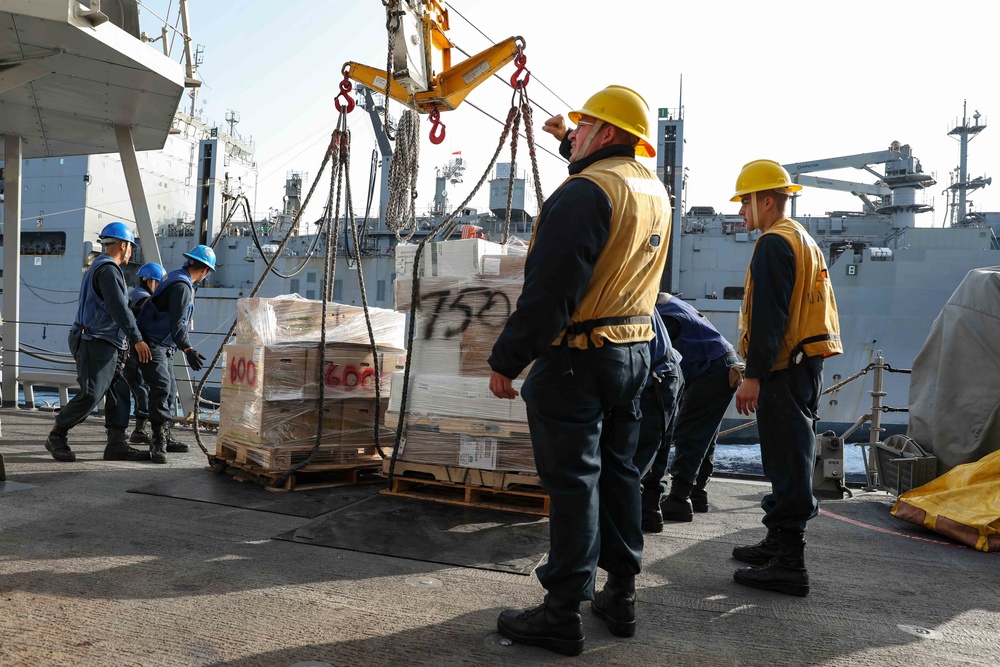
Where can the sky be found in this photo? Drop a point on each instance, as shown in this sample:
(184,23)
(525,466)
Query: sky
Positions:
(789,81)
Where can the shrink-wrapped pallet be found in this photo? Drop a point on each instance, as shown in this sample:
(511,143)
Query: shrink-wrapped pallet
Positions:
(452,418)
(270,411)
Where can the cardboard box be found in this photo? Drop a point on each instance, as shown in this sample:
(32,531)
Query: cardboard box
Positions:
(503,267)
(349,371)
(467,451)
(436,356)
(449,395)
(271,372)
(256,422)
(445,258)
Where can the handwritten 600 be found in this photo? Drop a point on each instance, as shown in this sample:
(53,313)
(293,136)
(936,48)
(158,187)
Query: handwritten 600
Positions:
(349,378)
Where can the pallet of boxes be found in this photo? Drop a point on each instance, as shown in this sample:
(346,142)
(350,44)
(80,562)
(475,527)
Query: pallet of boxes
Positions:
(271,378)
(460,444)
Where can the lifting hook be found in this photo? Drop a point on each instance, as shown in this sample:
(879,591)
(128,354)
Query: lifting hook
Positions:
(437,127)
(345,89)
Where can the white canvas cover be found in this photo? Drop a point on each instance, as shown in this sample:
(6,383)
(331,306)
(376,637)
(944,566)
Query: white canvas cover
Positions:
(955,385)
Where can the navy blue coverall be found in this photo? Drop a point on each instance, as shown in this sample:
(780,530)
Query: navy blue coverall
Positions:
(583,425)
(175,300)
(789,398)
(97,359)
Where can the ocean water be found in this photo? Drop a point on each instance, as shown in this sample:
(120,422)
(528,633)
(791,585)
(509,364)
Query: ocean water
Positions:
(745,460)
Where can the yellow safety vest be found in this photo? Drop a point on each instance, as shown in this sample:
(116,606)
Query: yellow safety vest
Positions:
(813,326)
(627,274)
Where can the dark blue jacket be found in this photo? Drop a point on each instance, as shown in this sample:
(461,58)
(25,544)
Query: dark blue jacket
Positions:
(136,298)
(577,223)
(698,341)
(165,317)
(102,311)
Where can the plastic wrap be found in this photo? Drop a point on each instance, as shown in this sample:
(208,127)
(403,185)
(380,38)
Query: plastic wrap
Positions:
(292,319)
(447,258)
(278,434)
(270,409)
(452,418)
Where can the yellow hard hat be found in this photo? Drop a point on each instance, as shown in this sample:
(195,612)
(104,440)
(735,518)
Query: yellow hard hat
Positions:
(761,175)
(624,108)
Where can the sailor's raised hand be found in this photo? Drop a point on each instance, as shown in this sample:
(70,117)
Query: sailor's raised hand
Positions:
(556,126)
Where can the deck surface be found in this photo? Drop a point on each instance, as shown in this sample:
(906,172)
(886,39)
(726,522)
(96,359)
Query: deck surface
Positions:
(92,575)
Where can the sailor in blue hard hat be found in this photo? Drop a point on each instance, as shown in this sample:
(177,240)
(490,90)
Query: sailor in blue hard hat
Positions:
(149,276)
(99,340)
(165,322)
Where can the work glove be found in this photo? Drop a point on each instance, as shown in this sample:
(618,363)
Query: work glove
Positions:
(195,359)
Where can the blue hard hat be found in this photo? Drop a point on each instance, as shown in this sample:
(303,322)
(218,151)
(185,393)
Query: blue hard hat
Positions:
(203,254)
(152,271)
(117,230)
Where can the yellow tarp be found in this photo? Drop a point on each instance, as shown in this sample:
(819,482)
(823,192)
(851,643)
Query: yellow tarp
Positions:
(963,504)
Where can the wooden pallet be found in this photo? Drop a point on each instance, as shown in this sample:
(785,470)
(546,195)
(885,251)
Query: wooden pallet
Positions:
(278,460)
(503,480)
(301,480)
(508,492)
(462,425)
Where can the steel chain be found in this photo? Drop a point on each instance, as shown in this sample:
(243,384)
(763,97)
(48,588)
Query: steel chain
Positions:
(401,209)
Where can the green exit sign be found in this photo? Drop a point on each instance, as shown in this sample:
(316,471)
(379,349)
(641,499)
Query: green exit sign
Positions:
(852,269)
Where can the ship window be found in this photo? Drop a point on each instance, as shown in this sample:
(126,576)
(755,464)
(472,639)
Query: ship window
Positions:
(380,291)
(62,161)
(733,293)
(41,243)
(338,290)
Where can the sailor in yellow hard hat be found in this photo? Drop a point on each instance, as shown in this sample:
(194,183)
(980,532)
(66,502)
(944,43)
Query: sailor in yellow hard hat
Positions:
(788,325)
(591,280)
(618,106)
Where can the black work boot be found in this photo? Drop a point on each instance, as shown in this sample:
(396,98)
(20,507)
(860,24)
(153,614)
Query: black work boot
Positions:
(652,520)
(58,446)
(616,605)
(175,445)
(676,507)
(118,449)
(760,553)
(555,625)
(699,497)
(139,435)
(785,573)
(158,446)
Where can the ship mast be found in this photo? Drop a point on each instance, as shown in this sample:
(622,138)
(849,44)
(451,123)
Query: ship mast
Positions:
(965,132)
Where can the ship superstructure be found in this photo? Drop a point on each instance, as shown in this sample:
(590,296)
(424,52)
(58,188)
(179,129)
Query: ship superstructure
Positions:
(891,277)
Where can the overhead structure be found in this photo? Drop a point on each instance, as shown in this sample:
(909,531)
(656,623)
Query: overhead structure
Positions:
(73,82)
(68,77)
(423,76)
(896,188)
